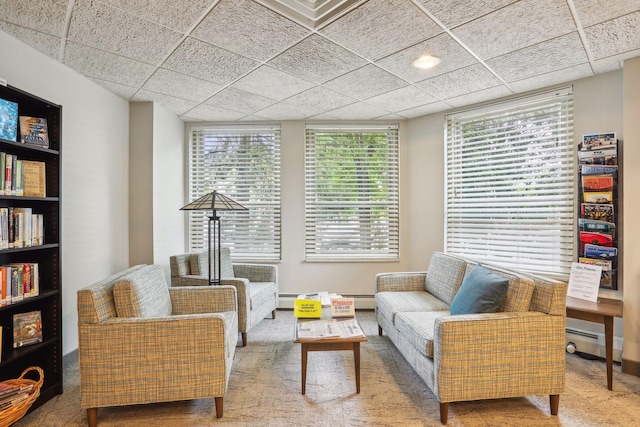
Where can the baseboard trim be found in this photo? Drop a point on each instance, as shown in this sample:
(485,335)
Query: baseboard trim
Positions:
(631,367)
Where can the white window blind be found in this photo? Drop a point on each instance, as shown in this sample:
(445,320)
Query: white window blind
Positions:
(510,183)
(243,163)
(351,192)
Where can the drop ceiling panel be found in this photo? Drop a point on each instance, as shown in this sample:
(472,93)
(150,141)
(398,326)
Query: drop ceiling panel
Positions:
(49,45)
(204,112)
(365,82)
(203,60)
(542,58)
(480,96)
(176,105)
(122,91)
(319,99)
(469,79)
(317,59)
(596,11)
(553,78)
(401,99)
(271,83)
(518,25)
(455,12)
(357,111)
(181,85)
(285,111)
(238,100)
(616,36)
(106,66)
(381,27)
(248,28)
(177,15)
(423,110)
(120,33)
(31,14)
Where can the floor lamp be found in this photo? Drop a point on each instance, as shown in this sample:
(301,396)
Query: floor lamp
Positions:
(214,202)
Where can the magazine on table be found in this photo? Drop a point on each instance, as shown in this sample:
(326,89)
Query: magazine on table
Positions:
(328,329)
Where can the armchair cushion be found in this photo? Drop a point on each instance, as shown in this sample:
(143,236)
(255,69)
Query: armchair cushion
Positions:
(481,292)
(200,263)
(143,293)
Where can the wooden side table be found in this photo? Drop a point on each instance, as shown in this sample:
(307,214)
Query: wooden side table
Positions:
(603,311)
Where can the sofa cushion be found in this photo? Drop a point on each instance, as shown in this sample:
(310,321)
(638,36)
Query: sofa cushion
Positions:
(143,293)
(260,293)
(391,303)
(444,276)
(418,328)
(482,291)
(200,263)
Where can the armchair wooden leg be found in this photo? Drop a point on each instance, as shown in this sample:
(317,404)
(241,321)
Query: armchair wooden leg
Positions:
(219,407)
(444,412)
(92,417)
(379,330)
(244,339)
(273,314)
(554,400)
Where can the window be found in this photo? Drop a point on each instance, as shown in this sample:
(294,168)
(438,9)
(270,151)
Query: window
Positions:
(243,163)
(510,183)
(351,192)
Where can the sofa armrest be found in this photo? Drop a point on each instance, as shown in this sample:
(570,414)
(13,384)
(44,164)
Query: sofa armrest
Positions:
(198,299)
(190,280)
(257,272)
(489,355)
(401,281)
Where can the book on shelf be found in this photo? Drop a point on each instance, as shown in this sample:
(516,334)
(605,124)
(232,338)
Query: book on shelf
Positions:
(8,119)
(34,178)
(20,228)
(27,328)
(34,130)
(19,281)
(8,174)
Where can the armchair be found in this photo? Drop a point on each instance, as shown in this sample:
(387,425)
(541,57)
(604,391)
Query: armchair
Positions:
(256,284)
(140,341)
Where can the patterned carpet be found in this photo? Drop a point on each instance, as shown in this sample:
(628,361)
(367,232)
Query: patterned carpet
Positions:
(264,390)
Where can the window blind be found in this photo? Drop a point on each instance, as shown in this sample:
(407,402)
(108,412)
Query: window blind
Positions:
(510,183)
(243,163)
(351,192)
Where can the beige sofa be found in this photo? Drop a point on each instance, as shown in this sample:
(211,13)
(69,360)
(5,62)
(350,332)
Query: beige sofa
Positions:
(256,284)
(517,351)
(140,341)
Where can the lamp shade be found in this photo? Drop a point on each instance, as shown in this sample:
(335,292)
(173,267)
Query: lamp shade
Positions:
(214,201)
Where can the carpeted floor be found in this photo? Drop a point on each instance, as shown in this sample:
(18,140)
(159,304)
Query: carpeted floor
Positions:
(264,390)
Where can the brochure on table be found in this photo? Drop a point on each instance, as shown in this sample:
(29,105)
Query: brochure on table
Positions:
(584,281)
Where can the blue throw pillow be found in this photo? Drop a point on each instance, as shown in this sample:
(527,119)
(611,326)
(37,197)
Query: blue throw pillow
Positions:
(482,291)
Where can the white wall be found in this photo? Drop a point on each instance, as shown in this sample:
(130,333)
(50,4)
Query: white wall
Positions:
(95,128)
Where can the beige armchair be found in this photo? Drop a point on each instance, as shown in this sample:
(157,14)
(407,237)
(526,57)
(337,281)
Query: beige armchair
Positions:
(256,284)
(140,341)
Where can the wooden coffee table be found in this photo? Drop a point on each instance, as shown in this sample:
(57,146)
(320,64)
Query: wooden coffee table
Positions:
(329,344)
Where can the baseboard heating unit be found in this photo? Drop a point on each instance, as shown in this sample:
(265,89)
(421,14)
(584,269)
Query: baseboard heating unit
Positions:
(592,343)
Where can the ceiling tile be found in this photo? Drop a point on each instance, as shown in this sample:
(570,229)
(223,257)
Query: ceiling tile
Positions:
(238,100)
(381,27)
(123,91)
(469,79)
(424,110)
(176,105)
(549,79)
(253,118)
(614,62)
(98,25)
(480,96)
(320,99)
(210,113)
(272,83)
(248,28)
(614,37)
(455,12)
(200,59)
(542,58)
(520,24)
(49,18)
(357,111)
(595,11)
(365,82)
(176,84)
(283,110)
(452,55)
(49,45)
(317,59)
(106,66)
(402,99)
(178,15)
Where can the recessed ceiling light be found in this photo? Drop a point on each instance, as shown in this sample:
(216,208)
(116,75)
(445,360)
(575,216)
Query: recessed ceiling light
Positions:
(426,61)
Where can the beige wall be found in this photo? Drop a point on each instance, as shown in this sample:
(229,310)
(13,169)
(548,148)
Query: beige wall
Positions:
(95,176)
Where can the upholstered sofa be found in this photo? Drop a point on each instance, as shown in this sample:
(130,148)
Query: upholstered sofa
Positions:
(256,284)
(140,341)
(516,350)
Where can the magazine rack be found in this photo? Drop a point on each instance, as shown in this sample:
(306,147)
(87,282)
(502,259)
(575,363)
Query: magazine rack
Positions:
(15,412)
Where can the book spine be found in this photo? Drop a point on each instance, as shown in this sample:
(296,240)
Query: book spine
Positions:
(35,273)
(3,164)
(8,172)
(12,227)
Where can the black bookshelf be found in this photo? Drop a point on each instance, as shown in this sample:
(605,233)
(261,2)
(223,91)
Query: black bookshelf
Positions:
(47,354)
